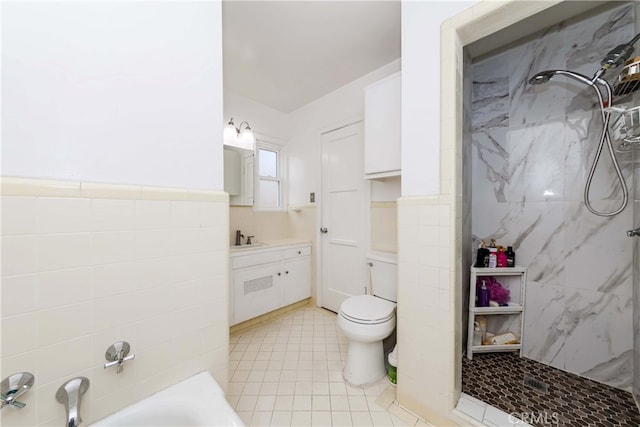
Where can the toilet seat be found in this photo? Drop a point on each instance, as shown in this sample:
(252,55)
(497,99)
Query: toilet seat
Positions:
(367,309)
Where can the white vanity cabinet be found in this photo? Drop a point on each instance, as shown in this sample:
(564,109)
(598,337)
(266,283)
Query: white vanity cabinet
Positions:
(265,279)
(382,107)
(296,285)
(255,291)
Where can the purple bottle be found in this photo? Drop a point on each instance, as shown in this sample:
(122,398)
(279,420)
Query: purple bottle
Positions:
(483,296)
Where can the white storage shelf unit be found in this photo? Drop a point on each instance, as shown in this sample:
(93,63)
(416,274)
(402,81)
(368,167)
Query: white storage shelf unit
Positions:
(499,319)
(265,279)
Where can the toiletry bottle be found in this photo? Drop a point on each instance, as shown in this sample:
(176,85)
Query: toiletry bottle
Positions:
(477,334)
(501,260)
(493,258)
(511,257)
(483,328)
(482,259)
(483,298)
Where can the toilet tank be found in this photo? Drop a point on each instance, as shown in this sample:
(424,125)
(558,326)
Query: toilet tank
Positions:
(384,276)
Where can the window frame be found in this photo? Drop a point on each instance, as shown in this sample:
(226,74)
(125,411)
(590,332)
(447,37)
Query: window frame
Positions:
(281,155)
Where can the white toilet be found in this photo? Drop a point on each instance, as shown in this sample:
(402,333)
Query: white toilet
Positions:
(368,319)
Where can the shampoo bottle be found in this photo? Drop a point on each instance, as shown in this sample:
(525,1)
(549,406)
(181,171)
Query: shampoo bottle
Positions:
(501,257)
(483,298)
(511,257)
(482,259)
(493,258)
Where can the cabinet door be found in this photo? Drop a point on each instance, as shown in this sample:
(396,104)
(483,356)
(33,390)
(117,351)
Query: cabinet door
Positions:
(297,280)
(232,170)
(256,291)
(382,127)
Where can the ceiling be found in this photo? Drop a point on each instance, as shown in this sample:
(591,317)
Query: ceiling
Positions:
(285,54)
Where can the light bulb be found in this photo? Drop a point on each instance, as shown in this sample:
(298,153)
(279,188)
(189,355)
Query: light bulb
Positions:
(247,139)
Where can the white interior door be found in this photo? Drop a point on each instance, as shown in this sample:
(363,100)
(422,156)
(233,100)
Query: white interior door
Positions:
(344,216)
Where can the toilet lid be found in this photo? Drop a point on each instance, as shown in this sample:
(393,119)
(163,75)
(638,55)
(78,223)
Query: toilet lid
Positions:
(367,309)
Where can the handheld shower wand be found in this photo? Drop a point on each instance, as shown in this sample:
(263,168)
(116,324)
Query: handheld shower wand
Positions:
(616,57)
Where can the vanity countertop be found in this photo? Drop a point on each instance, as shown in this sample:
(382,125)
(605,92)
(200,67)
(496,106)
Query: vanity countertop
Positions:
(268,244)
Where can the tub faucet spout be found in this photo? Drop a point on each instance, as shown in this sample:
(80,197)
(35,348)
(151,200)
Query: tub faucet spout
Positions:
(70,395)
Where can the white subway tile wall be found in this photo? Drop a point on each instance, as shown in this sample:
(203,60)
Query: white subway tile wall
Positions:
(86,265)
(425,304)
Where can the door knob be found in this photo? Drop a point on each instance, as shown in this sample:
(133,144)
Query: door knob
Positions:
(323,230)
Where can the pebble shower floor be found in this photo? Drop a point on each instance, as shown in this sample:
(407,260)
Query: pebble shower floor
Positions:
(498,379)
(288,372)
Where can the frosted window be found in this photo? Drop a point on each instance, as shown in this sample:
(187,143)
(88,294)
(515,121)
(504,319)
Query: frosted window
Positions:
(269,194)
(267,163)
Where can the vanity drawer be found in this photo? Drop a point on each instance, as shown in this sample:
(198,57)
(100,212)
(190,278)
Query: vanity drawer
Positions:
(255,259)
(297,252)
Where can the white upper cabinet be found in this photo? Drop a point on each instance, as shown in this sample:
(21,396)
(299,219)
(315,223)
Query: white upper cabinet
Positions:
(382,128)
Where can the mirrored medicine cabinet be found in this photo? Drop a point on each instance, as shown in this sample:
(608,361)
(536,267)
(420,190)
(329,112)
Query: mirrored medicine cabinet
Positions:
(238,176)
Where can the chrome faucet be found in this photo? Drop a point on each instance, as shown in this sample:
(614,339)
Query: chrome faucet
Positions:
(70,395)
(634,232)
(117,354)
(13,387)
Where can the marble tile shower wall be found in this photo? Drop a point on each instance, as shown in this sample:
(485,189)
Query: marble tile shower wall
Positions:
(636,269)
(84,266)
(532,148)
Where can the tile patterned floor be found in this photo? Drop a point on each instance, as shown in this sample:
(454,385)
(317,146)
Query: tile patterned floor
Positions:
(497,379)
(288,372)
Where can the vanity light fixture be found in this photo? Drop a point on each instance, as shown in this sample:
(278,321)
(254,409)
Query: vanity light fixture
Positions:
(238,137)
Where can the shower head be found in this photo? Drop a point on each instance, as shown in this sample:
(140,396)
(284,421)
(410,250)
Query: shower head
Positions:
(619,54)
(616,57)
(542,77)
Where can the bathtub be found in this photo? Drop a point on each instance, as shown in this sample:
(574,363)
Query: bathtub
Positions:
(196,401)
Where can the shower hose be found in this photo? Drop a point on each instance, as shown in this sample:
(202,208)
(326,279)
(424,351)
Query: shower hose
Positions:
(604,138)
